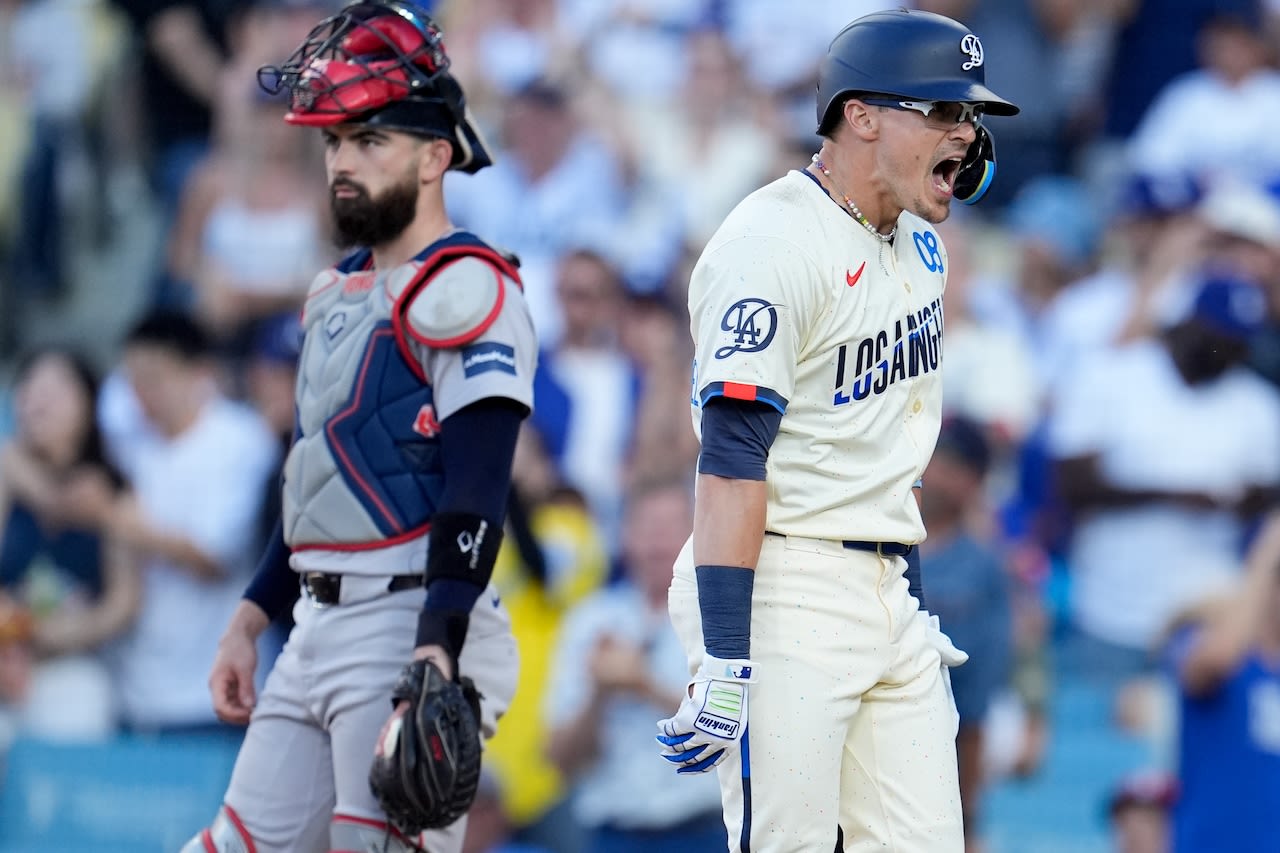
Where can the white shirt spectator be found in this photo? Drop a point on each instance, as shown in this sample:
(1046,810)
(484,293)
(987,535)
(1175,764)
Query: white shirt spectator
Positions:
(782,49)
(629,786)
(1134,567)
(1200,124)
(540,221)
(206,485)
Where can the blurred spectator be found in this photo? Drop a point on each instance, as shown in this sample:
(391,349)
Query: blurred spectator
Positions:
(710,142)
(1154,237)
(199,475)
(1044,55)
(556,185)
(17,629)
(1164,447)
(1150,48)
(967,588)
(1056,236)
(590,385)
(269,377)
(1138,813)
(552,558)
(654,337)
(991,376)
(64,699)
(498,46)
(618,665)
(615,37)
(489,829)
(184,51)
(780,52)
(1237,85)
(185,46)
(56,94)
(1225,655)
(251,227)
(57,554)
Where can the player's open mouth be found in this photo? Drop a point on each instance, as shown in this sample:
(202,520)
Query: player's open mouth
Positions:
(944,175)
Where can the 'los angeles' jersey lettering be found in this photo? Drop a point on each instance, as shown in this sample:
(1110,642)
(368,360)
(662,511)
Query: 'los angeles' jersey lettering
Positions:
(881,360)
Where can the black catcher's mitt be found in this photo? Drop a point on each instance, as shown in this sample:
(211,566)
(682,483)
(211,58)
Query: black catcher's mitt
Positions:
(427,764)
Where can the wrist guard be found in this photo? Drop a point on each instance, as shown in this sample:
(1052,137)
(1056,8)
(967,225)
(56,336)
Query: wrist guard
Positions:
(461,550)
(462,546)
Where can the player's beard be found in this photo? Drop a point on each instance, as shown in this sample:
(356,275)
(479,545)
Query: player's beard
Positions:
(362,220)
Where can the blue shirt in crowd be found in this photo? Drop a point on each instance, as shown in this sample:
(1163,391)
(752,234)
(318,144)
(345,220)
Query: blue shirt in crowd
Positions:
(1229,759)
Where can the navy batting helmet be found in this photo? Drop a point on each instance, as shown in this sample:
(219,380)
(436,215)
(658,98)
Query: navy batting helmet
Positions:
(911,54)
(379,62)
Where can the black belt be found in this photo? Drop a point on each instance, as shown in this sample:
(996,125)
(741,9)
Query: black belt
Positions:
(885,549)
(325,588)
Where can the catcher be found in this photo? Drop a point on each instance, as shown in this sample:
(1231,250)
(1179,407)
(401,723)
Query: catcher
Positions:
(415,374)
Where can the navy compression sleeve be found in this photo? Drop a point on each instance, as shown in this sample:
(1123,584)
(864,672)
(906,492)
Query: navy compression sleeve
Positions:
(275,586)
(736,437)
(477,444)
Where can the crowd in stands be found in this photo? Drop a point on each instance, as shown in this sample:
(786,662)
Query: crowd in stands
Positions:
(1102,505)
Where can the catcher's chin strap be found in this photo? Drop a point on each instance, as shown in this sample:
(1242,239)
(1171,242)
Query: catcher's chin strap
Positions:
(351,834)
(225,835)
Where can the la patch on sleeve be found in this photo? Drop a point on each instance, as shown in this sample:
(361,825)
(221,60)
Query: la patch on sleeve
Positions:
(488,356)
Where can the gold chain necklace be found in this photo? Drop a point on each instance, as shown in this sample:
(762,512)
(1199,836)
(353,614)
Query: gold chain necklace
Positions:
(853,208)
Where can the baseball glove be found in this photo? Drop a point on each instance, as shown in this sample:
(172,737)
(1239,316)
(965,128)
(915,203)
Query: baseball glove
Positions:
(426,766)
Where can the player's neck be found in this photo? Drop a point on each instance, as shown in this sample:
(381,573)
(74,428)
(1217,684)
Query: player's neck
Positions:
(424,230)
(846,183)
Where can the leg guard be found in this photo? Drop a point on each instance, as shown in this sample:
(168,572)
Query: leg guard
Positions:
(226,835)
(350,834)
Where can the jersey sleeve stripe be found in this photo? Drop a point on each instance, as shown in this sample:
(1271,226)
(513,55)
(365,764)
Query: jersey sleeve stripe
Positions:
(742,391)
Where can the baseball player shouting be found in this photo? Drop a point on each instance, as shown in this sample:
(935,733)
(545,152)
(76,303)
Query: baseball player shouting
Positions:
(416,371)
(820,689)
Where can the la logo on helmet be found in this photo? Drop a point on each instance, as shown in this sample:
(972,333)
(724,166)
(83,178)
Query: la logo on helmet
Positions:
(972,47)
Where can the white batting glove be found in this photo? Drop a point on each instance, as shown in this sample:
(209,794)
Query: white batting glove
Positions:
(951,656)
(712,720)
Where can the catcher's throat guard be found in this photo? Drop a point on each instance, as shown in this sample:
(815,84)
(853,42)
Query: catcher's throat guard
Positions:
(381,63)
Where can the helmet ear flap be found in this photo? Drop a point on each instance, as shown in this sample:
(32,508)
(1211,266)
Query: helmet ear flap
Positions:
(977,169)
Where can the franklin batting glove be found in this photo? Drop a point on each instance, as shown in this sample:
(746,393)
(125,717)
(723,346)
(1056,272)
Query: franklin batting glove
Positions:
(711,720)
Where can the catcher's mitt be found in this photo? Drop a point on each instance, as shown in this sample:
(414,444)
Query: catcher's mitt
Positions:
(426,766)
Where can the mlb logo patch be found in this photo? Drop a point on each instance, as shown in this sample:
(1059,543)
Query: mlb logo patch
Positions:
(490,355)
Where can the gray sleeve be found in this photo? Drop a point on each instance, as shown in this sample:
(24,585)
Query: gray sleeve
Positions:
(498,363)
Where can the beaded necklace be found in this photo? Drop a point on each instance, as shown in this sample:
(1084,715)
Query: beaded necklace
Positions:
(853,208)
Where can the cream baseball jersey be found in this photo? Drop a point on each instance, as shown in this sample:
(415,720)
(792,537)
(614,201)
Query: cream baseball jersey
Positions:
(794,304)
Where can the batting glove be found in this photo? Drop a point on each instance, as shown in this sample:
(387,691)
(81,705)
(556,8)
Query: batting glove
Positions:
(711,719)
(951,656)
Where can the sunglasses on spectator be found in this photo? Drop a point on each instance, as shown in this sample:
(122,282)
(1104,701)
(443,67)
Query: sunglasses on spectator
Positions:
(943,115)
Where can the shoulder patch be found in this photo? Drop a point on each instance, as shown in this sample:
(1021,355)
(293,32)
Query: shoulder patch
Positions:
(457,305)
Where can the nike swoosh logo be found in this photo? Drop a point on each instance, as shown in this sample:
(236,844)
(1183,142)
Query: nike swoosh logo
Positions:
(851,278)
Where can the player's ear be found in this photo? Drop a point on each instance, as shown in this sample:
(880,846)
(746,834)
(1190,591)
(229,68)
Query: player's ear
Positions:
(860,119)
(436,155)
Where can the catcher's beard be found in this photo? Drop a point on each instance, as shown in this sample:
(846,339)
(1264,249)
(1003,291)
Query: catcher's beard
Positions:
(362,220)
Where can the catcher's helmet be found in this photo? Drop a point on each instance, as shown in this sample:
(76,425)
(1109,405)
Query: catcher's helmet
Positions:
(912,54)
(379,62)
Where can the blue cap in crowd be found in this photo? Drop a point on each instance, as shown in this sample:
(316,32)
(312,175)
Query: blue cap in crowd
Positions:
(279,339)
(1233,307)
(963,438)
(1150,194)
